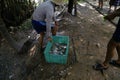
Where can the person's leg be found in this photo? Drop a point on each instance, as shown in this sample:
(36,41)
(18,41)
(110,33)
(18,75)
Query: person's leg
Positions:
(110,51)
(118,52)
(101,4)
(115,7)
(110,4)
(98,3)
(40,29)
(41,39)
(109,54)
(109,9)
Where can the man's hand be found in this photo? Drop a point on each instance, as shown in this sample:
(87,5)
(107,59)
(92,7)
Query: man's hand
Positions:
(49,39)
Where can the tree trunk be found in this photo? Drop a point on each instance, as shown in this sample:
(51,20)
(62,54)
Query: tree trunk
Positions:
(13,16)
(7,36)
(35,58)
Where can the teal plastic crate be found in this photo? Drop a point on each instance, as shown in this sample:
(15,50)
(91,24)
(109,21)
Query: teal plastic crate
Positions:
(53,58)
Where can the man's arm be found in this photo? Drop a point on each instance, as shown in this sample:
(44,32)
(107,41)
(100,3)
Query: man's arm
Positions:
(49,20)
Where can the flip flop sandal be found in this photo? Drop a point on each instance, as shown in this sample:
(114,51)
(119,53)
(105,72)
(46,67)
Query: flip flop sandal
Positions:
(99,66)
(114,63)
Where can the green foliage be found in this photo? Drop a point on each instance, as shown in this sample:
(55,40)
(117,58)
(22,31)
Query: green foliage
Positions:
(14,12)
(26,25)
(66,1)
(80,0)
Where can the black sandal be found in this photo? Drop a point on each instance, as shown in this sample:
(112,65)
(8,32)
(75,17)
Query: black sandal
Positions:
(114,63)
(99,66)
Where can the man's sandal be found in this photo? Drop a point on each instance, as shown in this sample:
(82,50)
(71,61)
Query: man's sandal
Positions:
(99,66)
(114,63)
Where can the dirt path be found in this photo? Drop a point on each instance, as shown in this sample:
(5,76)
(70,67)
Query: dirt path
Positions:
(89,35)
(105,10)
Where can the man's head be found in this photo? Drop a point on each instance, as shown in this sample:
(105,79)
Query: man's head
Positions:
(58,2)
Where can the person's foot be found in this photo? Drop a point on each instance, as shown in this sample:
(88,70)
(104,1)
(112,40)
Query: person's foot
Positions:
(114,63)
(99,66)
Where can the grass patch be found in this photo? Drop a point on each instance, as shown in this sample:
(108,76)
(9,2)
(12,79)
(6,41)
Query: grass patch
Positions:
(26,25)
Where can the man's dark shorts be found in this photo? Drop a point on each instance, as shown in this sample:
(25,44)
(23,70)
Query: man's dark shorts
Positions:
(116,35)
(117,3)
(39,26)
(114,2)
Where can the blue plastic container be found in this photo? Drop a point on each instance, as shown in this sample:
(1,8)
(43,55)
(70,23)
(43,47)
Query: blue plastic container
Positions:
(53,58)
